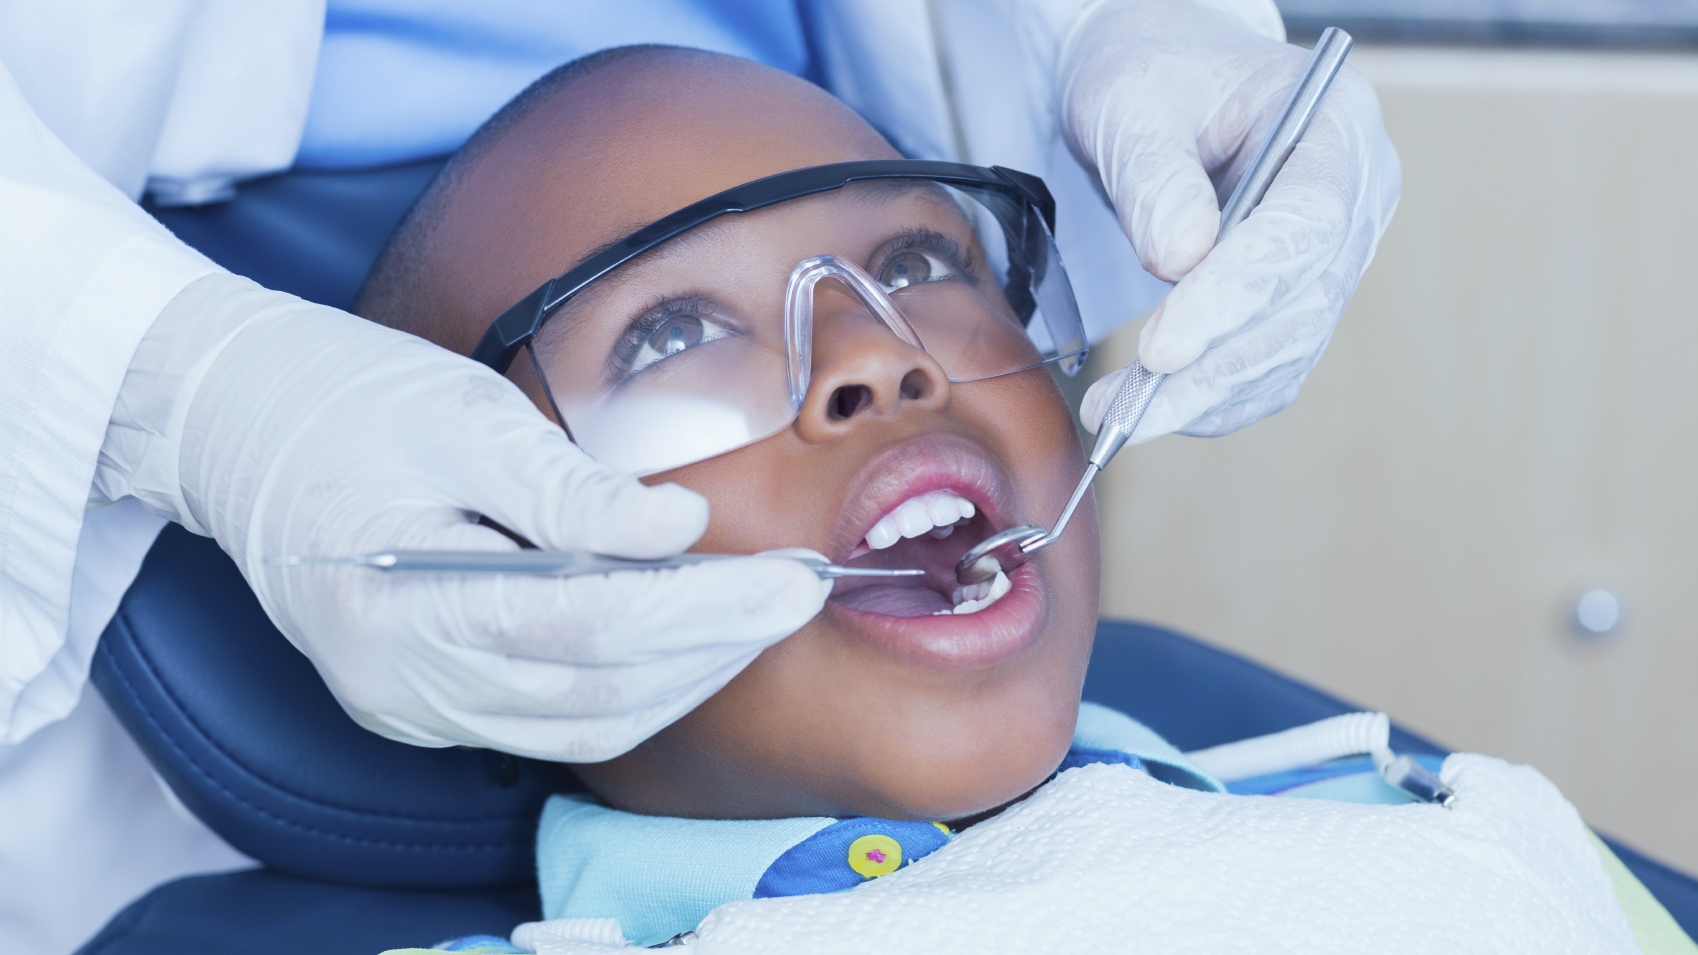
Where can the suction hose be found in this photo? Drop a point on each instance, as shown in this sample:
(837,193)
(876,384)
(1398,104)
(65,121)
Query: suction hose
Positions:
(1349,735)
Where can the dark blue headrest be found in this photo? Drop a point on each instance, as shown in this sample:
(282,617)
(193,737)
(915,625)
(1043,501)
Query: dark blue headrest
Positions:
(244,731)
(309,233)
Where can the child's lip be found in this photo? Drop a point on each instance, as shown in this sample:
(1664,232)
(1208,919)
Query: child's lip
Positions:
(931,462)
(956,641)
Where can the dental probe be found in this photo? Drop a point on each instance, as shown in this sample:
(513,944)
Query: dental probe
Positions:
(1010,548)
(552,563)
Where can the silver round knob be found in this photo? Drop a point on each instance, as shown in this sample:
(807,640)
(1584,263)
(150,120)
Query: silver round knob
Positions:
(1597,612)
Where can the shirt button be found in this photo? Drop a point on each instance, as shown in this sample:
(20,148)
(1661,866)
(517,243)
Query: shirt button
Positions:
(873,856)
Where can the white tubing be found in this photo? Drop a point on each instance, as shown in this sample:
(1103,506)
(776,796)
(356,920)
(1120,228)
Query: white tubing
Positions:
(1352,734)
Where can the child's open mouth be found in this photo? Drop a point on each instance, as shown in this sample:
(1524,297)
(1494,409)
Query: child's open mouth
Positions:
(929,531)
(923,503)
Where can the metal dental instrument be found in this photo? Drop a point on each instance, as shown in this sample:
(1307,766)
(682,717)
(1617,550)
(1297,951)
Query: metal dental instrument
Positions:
(550,564)
(1014,546)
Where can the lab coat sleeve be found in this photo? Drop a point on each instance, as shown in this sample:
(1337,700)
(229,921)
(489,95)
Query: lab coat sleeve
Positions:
(974,81)
(94,94)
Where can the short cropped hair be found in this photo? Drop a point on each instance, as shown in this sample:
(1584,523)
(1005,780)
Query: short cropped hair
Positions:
(400,291)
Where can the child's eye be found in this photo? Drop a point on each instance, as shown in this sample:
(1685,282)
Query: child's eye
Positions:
(676,335)
(912,268)
(667,331)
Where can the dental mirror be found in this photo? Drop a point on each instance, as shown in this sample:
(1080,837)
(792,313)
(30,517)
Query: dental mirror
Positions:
(1006,550)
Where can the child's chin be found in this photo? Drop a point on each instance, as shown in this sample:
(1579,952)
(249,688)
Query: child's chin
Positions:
(960,803)
(950,796)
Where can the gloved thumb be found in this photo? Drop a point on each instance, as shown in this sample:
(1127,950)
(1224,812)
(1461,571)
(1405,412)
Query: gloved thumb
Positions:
(549,491)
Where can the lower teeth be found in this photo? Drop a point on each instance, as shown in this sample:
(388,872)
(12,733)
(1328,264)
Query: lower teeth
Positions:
(976,597)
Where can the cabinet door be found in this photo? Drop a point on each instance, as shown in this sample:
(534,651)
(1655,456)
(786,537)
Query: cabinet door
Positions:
(1507,418)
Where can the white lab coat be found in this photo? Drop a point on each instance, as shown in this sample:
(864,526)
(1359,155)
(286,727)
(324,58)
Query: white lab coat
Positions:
(103,99)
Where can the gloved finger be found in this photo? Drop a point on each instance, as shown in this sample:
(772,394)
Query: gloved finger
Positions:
(1228,418)
(454,678)
(1097,399)
(562,650)
(1220,387)
(1201,400)
(1280,249)
(1302,224)
(633,616)
(521,686)
(588,737)
(1190,409)
(523,473)
(624,617)
(1164,199)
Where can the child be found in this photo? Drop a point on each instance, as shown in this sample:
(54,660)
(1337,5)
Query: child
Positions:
(909,708)
(877,707)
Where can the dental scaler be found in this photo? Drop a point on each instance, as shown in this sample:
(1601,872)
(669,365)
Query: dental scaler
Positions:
(553,563)
(1010,548)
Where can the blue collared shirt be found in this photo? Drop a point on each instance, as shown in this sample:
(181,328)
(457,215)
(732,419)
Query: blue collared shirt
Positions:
(400,80)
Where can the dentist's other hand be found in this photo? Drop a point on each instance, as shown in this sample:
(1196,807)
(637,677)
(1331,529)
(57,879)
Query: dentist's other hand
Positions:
(1168,100)
(302,430)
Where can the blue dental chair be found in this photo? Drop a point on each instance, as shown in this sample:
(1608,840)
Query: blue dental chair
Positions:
(367,844)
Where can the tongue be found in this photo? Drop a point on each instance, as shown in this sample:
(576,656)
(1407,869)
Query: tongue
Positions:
(893,600)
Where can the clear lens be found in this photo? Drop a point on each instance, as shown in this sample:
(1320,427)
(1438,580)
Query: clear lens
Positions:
(692,349)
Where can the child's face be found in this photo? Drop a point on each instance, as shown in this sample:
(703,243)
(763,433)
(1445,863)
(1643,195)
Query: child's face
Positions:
(878,706)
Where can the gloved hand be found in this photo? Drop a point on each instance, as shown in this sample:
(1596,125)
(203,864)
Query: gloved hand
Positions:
(295,429)
(1167,101)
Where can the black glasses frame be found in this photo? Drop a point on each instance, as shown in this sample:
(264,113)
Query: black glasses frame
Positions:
(517,327)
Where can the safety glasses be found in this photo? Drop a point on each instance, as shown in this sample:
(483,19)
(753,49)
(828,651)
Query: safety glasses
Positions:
(694,335)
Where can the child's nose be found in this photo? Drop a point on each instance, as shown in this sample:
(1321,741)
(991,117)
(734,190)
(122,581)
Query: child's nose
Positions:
(862,371)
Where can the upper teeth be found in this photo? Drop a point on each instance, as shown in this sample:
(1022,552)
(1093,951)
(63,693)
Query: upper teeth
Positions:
(918,515)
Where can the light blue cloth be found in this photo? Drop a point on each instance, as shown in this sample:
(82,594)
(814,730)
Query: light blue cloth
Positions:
(1367,788)
(405,79)
(1102,728)
(1352,779)
(661,875)
(657,875)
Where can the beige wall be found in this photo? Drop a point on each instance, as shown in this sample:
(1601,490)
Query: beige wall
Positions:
(1505,418)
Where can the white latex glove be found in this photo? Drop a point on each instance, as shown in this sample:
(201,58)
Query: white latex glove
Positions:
(1168,100)
(285,428)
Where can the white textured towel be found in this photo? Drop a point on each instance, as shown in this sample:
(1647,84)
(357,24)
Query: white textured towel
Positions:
(1107,859)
